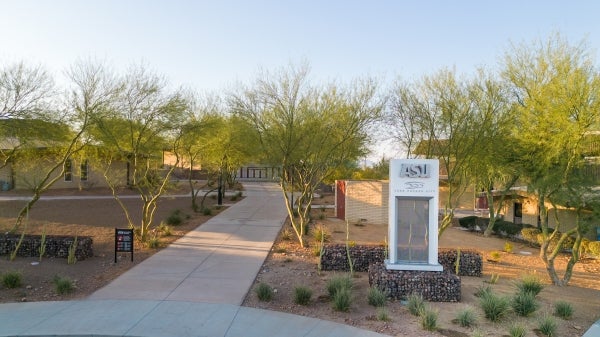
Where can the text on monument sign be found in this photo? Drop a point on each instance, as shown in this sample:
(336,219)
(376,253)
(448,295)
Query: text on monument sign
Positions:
(414,171)
(123,241)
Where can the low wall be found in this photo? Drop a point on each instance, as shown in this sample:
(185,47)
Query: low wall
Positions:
(56,246)
(335,258)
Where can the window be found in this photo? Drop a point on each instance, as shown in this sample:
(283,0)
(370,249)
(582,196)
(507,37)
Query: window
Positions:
(84,168)
(68,170)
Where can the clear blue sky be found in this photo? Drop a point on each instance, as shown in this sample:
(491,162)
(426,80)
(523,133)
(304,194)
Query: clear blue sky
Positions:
(211,45)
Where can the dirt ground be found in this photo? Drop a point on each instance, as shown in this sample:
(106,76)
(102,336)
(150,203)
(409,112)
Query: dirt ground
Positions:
(288,266)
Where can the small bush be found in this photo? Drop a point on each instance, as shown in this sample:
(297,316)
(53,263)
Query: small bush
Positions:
(376,297)
(286,234)
(483,290)
(466,317)
(428,319)
(494,307)
(530,235)
(175,218)
(264,292)
(165,229)
(383,315)
(280,249)
(547,325)
(206,211)
(517,330)
(508,247)
(594,248)
(342,300)
(415,304)
(302,295)
(478,333)
(494,278)
(524,303)
(495,256)
(338,283)
(12,280)
(468,222)
(153,243)
(320,234)
(507,227)
(63,285)
(563,310)
(530,283)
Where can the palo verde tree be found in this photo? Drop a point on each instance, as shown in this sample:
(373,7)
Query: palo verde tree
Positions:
(556,88)
(307,131)
(436,118)
(145,122)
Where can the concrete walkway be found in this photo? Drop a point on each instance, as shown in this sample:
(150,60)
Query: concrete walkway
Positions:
(192,288)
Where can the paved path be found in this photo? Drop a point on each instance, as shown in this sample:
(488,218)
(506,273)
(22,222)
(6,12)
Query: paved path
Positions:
(192,288)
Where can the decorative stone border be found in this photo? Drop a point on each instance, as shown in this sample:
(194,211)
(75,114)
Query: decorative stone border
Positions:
(56,246)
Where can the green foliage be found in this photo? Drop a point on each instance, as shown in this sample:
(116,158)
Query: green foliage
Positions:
(71,259)
(337,283)
(382,314)
(494,278)
(376,297)
(524,303)
(320,233)
(468,221)
(547,325)
(507,227)
(517,330)
(428,319)
(63,285)
(12,279)
(175,218)
(264,292)
(563,310)
(494,307)
(206,211)
(302,295)
(508,247)
(483,290)
(415,304)
(153,242)
(495,256)
(286,234)
(466,317)
(342,299)
(594,248)
(457,263)
(165,229)
(530,283)
(530,235)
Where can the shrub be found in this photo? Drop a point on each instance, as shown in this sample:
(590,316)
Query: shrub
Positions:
(508,247)
(563,310)
(320,234)
(302,295)
(468,222)
(495,256)
(530,283)
(376,297)
(286,234)
(342,299)
(507,227)
(63,285)
(383,315)
(428,319)
(494,278)
(206,211)
(12,280)
(338,283)
(547,325)
(71,258)
(494,307)
(517,330)
(165,229)
(175,218)
(466,317)
(415,304)
(264,292)
(524,303)
(483,290)
(530,235)
(594,248)
(153,243)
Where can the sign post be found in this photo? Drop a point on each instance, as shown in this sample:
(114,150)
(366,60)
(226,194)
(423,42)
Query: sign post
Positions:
(123,241)
(413,215)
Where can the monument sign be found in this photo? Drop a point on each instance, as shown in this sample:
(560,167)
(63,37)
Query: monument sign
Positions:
(413,215)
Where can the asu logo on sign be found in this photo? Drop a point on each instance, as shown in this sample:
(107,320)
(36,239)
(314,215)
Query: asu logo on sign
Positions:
(414,171)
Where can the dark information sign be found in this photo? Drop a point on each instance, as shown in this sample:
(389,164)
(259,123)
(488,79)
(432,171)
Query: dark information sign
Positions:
(123,241)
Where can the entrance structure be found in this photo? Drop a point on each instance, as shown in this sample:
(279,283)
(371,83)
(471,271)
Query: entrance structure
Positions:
(413,215)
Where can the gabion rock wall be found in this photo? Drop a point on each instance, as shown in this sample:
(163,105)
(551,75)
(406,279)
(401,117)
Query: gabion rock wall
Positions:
(56,246)
(335,258)
(398,284)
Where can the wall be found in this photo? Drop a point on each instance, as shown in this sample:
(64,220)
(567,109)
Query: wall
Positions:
(367,199)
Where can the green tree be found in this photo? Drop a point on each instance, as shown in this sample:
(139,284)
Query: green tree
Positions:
(308,131)
(556,88)
(145,122)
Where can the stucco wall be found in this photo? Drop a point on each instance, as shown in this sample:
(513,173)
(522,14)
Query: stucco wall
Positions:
(367,199)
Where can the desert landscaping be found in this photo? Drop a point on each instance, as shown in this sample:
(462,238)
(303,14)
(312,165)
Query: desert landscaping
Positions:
(289,266)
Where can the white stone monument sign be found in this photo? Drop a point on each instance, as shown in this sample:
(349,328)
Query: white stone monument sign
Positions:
(413,215)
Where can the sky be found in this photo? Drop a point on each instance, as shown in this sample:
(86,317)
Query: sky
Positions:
(211,46)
